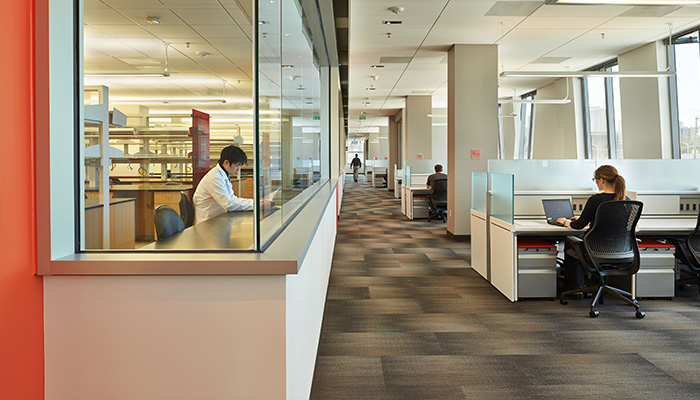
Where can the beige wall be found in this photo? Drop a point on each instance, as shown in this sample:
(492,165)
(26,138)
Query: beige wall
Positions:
(557,126)
(472,98)
(417,127)
(646,128)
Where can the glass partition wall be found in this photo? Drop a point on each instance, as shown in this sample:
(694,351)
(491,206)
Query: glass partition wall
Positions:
(166,88)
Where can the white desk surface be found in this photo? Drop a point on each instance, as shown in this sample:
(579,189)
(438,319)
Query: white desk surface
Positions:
(644,226)
(563,193)
(418,189)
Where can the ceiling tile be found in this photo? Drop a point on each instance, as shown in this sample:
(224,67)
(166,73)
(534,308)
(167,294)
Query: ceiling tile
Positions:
(513,8)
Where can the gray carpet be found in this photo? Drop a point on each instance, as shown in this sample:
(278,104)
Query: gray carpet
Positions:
(407,318)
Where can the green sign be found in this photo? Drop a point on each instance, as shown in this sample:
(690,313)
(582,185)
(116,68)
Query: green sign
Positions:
(317,117)
(363,117)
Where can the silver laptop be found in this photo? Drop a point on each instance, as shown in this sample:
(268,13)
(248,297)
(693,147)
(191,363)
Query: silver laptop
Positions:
(557,208)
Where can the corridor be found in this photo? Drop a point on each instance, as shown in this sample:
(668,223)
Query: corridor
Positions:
(407,318)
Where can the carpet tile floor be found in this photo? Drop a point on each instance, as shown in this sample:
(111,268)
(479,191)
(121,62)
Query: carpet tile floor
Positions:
(407,318)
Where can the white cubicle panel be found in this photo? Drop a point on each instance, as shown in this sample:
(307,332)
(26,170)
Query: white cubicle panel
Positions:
(503,247)
(479,243)
(529,204)
(426,166)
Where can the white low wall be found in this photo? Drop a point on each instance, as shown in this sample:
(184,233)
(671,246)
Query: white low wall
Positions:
(306,300)
(189,337)
(165,337)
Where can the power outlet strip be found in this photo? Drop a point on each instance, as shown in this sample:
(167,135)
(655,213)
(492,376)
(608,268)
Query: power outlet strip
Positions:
(689,205)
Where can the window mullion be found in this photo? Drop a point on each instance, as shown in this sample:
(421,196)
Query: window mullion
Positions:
(610,118)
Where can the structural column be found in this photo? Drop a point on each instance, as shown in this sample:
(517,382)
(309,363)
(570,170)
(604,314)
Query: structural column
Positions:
(472,125)
(393,148)
(418,140)
(646,119)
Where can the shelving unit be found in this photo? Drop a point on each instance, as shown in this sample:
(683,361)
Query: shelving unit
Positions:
(149,163)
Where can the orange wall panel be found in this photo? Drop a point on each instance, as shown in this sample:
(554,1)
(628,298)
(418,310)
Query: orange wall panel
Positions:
(21,291)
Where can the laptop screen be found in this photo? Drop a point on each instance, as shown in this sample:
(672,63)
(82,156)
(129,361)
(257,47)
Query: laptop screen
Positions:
(557,208)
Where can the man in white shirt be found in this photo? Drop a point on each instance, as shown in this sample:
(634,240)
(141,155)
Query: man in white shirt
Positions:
(214,194)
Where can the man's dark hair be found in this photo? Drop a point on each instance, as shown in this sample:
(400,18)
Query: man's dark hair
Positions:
(438,168)
(234,155)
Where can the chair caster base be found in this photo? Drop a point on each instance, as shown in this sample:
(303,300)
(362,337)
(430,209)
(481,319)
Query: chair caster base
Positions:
(640,314)
(594,313)
(563,302)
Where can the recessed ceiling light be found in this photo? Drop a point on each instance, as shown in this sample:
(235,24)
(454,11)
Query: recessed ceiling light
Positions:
(395,22)
(153,20)
(287,66)
(262,22)
(377,66)
(127,74)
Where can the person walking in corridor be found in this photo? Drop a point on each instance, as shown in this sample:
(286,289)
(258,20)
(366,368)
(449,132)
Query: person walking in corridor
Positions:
(356,164)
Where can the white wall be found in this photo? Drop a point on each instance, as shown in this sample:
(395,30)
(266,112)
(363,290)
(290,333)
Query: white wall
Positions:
(306,299)
(165,337)
(62,113)
(439,134)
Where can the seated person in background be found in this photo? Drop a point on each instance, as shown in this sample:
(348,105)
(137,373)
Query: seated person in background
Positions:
(214,194)
(437,175)
(612,187)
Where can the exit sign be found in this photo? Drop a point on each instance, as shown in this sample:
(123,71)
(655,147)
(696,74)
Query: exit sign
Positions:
(317,117)
(363,117)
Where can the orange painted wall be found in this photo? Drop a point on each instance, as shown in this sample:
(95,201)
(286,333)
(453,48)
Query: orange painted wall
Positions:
(21,292)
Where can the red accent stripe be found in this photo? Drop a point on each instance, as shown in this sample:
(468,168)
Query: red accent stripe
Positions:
(21,291)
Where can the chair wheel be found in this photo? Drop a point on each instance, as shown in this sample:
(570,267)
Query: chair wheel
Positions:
(639,314)
(564,302)
(594,313)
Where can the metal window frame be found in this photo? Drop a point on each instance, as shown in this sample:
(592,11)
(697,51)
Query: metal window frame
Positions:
(610,118)
(587,142)
(609,111)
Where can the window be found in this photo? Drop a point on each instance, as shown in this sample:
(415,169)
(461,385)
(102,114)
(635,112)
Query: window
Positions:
(158,112)
(355,146)
(603,126)
(686,58)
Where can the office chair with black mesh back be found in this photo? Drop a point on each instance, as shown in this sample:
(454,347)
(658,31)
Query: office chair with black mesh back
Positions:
(437,201)
(688,253)
(609,248)
(167,221)
(186,210)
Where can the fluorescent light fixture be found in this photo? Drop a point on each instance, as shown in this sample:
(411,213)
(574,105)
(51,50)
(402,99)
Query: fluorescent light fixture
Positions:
(437,115)
(128,74)
(627,2)
(167,101)
(582,74)
(536,101)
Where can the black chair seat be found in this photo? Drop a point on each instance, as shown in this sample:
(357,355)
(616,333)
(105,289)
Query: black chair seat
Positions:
(609,248)
(437,201)
(687,252)
(186,210)
(167,221)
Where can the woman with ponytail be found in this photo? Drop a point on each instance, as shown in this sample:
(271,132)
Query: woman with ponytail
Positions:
(612,187)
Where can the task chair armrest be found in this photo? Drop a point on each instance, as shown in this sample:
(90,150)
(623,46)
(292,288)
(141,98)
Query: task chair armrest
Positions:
(575,240)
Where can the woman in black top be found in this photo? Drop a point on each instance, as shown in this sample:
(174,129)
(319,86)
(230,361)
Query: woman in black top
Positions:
(612,187)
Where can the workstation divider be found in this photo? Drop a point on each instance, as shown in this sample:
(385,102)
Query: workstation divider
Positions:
(514,209)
